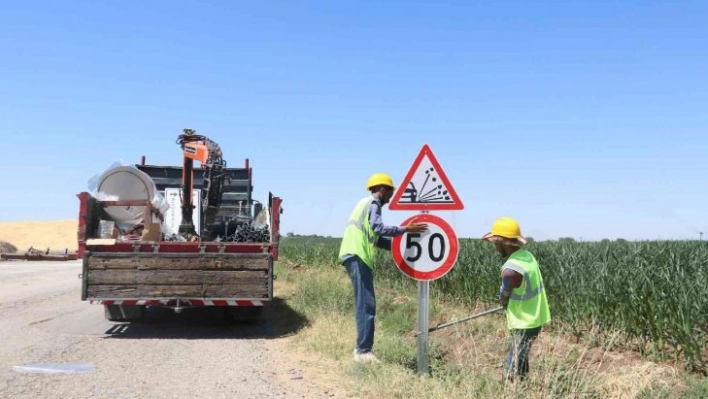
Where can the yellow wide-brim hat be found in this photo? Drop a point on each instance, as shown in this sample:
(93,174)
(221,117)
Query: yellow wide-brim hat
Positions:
(506,230)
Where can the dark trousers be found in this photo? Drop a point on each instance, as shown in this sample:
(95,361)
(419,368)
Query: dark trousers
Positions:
(517,361)
(364,302)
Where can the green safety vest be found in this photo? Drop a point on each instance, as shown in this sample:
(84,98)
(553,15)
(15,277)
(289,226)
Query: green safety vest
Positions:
(359,238)
(528,305)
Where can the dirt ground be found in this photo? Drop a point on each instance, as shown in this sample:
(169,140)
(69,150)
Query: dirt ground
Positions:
(249,364)
(47,328)
(56,235)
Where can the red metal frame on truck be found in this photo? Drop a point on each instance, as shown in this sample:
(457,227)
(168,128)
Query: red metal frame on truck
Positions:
(175,246)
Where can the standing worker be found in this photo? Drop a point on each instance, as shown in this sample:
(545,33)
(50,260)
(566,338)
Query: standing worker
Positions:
(521,293)
(364,233)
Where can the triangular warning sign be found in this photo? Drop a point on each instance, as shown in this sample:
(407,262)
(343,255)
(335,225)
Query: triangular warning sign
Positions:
(426,187)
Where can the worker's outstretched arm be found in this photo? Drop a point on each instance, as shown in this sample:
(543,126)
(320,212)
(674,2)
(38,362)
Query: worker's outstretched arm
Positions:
(378,225)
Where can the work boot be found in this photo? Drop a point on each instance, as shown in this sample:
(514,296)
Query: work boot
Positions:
(366,357)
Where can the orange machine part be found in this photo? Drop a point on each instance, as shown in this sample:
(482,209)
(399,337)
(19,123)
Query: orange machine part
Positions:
(196,151)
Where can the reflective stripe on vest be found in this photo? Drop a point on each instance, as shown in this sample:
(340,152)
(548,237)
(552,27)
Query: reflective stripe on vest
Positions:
(528,306)
(529,293)
(359,224)
(359,238)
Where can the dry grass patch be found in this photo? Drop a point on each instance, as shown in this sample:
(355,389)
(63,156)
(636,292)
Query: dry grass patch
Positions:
(465,359)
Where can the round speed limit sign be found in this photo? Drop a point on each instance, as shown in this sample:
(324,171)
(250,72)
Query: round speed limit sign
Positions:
(426,256)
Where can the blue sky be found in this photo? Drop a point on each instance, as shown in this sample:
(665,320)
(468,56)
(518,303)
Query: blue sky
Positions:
(582,120)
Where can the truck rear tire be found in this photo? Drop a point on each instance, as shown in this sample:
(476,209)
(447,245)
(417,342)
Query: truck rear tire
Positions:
(124,313)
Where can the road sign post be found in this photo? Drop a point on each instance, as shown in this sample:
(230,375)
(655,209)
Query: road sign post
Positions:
(425,257)
(423,317)
(431,255)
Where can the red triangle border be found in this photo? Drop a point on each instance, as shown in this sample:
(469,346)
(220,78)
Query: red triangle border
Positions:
(395,204)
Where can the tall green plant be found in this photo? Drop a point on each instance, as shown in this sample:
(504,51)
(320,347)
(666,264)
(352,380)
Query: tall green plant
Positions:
(652,292)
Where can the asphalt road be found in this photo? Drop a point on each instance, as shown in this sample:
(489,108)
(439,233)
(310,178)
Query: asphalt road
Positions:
(44,326)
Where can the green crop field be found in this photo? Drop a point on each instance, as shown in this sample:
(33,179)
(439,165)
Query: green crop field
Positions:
(646,296)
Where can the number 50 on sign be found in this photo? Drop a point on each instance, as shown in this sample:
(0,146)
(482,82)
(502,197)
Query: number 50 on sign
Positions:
(426,256)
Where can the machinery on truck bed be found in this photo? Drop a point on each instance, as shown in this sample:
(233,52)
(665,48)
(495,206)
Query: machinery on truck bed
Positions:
(148,238)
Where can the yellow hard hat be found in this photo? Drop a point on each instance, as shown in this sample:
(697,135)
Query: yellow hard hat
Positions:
(506,228)
(380,179)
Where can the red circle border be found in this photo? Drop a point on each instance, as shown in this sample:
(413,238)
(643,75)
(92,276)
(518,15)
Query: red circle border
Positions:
(433,274)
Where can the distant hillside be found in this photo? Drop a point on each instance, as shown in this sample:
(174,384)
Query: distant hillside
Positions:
(56,235)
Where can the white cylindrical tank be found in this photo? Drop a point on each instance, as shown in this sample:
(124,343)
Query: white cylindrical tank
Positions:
(128,183)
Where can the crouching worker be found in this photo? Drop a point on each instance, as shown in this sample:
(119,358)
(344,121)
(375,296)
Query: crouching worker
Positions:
(521,293)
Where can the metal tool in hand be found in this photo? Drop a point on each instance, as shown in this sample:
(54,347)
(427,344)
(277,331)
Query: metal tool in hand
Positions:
(486,312)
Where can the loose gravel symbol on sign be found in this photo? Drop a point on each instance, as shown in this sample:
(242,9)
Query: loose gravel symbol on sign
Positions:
(426,187)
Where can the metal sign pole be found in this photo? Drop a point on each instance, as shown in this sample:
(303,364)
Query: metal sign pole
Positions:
(423,296)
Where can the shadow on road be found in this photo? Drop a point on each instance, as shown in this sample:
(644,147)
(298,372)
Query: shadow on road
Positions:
(277,320)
